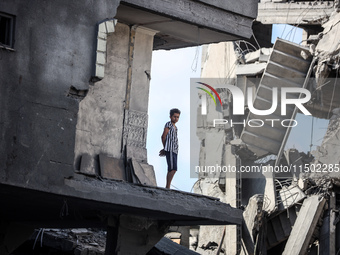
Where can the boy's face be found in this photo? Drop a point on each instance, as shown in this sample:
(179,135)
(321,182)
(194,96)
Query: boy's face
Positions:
(174,118)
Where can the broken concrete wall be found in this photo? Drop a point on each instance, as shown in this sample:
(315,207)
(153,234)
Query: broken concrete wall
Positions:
(53,51)
(293,12)
(218,65)
(114,113)
(327,155)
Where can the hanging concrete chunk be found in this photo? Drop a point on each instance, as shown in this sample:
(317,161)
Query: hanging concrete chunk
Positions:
(290,195)
(270,192)
(252,57)
(304,226)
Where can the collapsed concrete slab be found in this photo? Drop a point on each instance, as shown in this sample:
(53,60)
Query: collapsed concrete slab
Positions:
(304,226)
(180,23)
(287,12)
(122,208)
(287,67)
(121,197)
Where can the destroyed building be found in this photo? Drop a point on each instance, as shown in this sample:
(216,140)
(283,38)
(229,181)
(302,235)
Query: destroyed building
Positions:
(74,102)
(283,213)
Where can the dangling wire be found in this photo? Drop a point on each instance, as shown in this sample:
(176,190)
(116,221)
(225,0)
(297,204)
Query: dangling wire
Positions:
(175,187)
(256,41)
(41,233)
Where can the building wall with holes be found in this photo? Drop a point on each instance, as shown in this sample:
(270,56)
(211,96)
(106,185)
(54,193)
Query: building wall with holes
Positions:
(44,75)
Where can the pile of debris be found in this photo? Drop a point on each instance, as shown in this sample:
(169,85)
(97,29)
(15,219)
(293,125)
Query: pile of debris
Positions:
(90,241)
(78,241)
(285,212)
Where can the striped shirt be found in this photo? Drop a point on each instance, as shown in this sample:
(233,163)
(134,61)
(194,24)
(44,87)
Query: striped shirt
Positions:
(171,141)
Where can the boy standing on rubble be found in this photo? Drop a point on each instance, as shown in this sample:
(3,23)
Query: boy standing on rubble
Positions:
(170,144)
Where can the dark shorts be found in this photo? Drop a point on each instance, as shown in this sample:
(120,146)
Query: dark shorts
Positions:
(171,159)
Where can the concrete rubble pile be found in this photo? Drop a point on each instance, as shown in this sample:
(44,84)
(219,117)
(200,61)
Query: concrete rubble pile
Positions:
(88,241)
(80,241)
(284,212)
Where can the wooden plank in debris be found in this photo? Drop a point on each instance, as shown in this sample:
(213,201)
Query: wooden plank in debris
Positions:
(304,226)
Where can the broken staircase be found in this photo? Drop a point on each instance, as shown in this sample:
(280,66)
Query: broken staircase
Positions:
(287,66)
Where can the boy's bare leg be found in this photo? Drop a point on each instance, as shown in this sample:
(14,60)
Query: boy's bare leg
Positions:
(169,177)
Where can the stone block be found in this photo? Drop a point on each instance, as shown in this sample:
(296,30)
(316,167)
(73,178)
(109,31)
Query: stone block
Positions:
(87,165)
(100,71)
(266,51)
(150,173)
(101,58)
(102,28)
(252,57)
(101,45)
(135,152)
(80,231)
(110,26)
(111,168)
(263,58)
(250,69)
(143,173)
(173,235)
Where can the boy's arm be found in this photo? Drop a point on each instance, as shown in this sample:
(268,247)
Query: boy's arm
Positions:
(163,137)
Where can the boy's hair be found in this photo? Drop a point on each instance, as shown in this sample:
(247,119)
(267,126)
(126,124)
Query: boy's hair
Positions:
(173,111)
